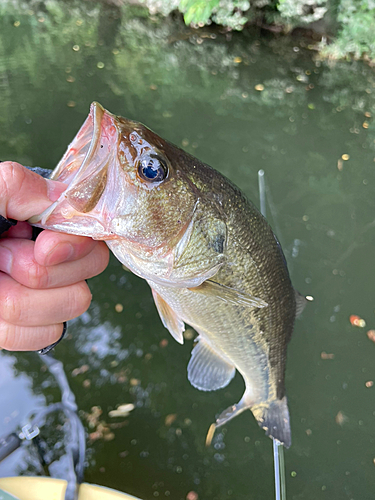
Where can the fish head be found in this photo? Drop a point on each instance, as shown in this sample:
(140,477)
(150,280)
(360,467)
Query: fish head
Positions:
(124,183)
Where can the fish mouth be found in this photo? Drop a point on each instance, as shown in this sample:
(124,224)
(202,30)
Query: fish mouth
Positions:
(84,168)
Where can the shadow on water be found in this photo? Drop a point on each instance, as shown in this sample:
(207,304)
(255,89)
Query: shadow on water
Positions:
(239,102)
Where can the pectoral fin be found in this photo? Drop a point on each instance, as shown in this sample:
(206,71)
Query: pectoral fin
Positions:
(169,318)
(207,370)
(200,252)
(228,294)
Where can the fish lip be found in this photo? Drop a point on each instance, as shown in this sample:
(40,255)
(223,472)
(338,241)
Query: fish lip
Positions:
(97,112)
(92,126)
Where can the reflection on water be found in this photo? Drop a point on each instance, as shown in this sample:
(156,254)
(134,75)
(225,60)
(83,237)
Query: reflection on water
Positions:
(240,103)
(17,401)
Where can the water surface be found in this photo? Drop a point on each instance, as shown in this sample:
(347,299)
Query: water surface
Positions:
(239,102)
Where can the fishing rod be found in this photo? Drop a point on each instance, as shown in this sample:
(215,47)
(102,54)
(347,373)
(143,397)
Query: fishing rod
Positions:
(278,448)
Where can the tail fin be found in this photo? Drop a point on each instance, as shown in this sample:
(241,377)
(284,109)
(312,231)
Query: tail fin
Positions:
(274,419)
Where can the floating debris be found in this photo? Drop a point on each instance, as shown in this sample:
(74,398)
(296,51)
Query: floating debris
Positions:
(169,419)
(108,436)
(116,413)
(75,48)
(119,308)
(192,495)
(369,383)
(189,334)
(345,157)
(259,87)
(80,370)
(128,407)
(71,104)
(237,60)
(210,434)
(100,65)
(121,411)
(163,343)
(371,335)
(325,355)
(340,418)
(357,321)
(340,164)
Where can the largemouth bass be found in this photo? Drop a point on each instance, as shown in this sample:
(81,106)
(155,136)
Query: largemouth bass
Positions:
(210,258)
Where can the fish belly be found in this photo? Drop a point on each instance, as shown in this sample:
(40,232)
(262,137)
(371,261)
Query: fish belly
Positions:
(229,338)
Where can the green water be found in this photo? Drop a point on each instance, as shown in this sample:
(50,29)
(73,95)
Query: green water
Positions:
(197,89)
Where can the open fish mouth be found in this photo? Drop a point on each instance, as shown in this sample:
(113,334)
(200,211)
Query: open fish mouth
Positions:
(84,168)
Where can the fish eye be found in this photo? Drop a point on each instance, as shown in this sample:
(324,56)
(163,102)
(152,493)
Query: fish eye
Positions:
(152,168)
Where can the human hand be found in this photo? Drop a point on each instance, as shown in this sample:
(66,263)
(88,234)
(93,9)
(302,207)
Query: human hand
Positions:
(42,283)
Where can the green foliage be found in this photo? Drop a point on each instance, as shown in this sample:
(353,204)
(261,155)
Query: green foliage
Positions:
(198,11)
(355,19)
(229,13)
(357,34)
(302,11)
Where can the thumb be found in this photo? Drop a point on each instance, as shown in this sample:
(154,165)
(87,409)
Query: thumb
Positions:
(24,193)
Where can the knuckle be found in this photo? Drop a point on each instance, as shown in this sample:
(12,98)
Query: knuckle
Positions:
(37,276)
(11,175)
(10,305)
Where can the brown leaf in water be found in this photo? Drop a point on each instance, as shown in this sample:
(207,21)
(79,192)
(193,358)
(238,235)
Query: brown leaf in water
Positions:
(325,355)
(169,419)
(341,418)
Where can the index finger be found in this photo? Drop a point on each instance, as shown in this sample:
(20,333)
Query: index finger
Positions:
(24,193)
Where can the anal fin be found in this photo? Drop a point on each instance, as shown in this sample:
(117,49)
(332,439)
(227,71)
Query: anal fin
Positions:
(207,369)
(231,412)
(169,318)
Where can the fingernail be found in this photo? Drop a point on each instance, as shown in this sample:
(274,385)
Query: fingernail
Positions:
(6,260)
(55,189)
(60,253)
